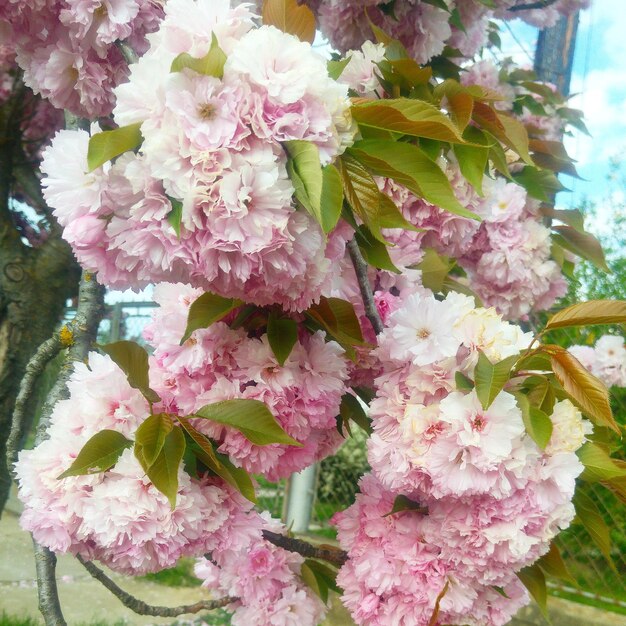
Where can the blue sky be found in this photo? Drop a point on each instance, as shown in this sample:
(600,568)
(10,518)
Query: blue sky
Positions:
(598,88)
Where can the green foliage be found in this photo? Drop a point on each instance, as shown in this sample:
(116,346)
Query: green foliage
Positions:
(206,310)
(211,64)
(109,144)
(181,575)
(251,418)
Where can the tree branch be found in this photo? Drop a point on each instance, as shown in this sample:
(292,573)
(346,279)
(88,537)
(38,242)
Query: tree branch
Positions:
(35,367)
(333,555)
(140,607)
(540,4)
(360,267)
(85,326)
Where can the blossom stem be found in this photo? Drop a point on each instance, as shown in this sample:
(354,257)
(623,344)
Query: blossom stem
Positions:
(142,608)
(360,268)
(331,554)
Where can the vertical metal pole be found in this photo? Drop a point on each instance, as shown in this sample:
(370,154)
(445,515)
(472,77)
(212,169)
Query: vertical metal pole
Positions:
(300,499)
(554,55)
(116,322)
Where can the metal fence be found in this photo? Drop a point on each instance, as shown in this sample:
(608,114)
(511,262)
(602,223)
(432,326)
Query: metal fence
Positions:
(332,484)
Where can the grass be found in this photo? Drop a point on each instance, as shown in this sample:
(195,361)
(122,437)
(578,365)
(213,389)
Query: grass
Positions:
(12,620)
(179,576)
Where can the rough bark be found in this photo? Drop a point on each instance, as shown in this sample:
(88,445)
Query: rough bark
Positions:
(35,283)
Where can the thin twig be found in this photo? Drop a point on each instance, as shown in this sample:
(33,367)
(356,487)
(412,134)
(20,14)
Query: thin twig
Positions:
(140,607)
(336,556)
(540,4)
(360,268)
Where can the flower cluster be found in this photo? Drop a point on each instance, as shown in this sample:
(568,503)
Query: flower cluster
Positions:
(121,519)
(117,517)
(219,363)
(67,48)
(488,499)
(606,360)
(423,28)
(266,582)
(207,200)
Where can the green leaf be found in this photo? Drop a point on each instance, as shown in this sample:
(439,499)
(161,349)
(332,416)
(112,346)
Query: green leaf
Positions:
(206,310)
(336,68)
(99,454)
(108,144)
(589,516)
(435,268)
(473,158)
(319,577)
(339,319)
(175,216)
(583,245)
(150,437)
(539,183)
(462,382)
(598,464)
(132,359)
(571,217)
(211,64)
(533,579)
(588,314)
(352,409)
(238,477)
(282,334)
(251,418)
(331,199)
(402,503)
(163,473)
(317,188)
(374,252)
(205,451)
(409,166)
(490,378)
(553,565)
(538,424)
(408,117)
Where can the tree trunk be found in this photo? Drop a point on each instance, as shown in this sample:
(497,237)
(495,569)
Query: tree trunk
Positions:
(35,282)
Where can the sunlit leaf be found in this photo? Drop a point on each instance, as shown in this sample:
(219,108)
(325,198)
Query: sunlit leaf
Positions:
(409,166)
(175,216)
(99,454)
(290,17)
(374,252)
(598,464)
(588,314)
(319,577)
(211,64)
(409,117)
(473,158)
(585,389)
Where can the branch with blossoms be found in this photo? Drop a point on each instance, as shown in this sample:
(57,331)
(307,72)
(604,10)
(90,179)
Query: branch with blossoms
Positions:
(333,555)
(142,608)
